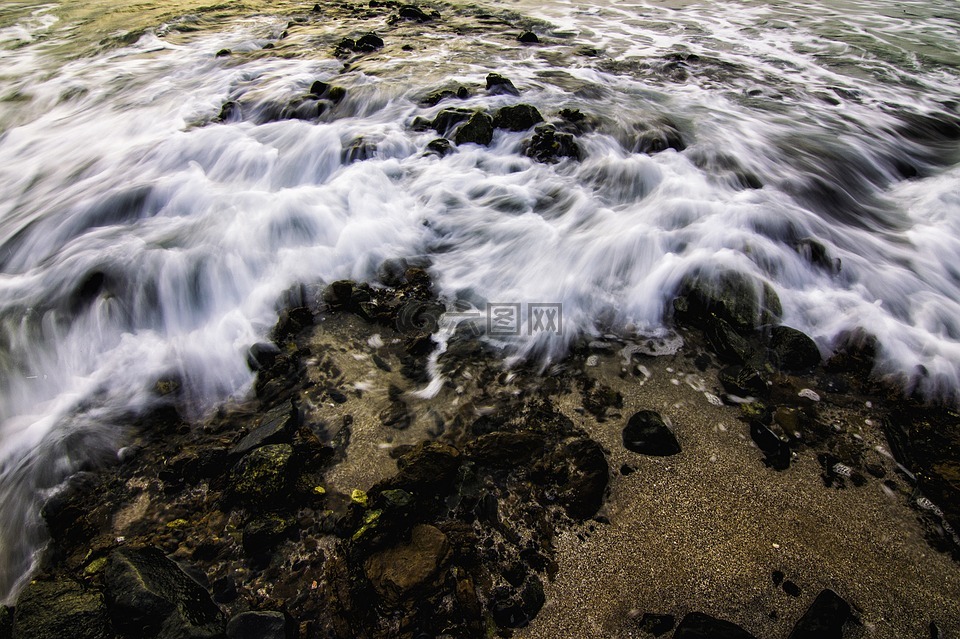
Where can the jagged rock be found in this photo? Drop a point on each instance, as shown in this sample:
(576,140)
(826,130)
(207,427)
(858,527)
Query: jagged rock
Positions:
(260,478)
(582,476)
(792,349)
(327,91)
(499,85)
(528,37)
(658,136)
(503,449)
(440,147)
(697,625)
(65,512)
(824,618)
(407,568)
(727,343)
(357,150)
(743,381)
(746,303)
(261,625)
(61,608)
(275,426)
(516,610)
(776,448)
(229,112)
(449,118)
(150,596)
(477,130)
(519,117)
(369,42)
(646,433)
(428,463)
(550,145)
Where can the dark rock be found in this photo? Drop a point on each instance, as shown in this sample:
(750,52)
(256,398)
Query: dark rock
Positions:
(503,448)
(440,147)
(262,355)
(499,85)
(60,608)
(583,478)
(65,511)
(408,568)
(262,534)
(411,12)
(261,625)
(6,622)
(396,416)
(816,253)
(528,37)
(519,117)
(824,618)
(327,91)
(449,118)
(229,112)
(222,53)
(697,625)
(477,130)
(339,294)
(260,479)
(656,625)
(224,590)
(746,303)
(727,344)
(648,434)
(855,352)
(791,588)
(793,350)
(428,463)
(657,137)
(149,596)
(275,426)
(357,150)
(516,610)
(435,97)
(743,381)
(776,449)
(369,42)
(777,577)
(550,145)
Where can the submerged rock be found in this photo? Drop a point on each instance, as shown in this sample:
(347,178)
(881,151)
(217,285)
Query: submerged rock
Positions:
(518,609)
(549,145)
(658,136)
(477,130)
(440,147)
(697,625)
(793,350)
(824,618)
(447,119)
(646,433)
(745,302)
(60,608)
(412,12)
(499,85)
(402,570)
(519,117)
(150,596)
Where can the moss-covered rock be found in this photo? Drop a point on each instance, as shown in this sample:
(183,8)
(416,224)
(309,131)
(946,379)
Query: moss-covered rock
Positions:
(793,350)
(743,301)
(518,117)
(60,608)
(477,130)
(261,477)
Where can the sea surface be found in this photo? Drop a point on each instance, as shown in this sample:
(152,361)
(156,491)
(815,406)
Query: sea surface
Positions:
(143,239)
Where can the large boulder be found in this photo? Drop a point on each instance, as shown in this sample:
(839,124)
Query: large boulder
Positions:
(60,608)
(549,145)
(150,596)
(744,302)
(793,350)
(477,130)
(410,567)
(648,434)
(518,117)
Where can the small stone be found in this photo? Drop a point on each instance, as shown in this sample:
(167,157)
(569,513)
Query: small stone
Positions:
(477,130)
(499,85)
(528,37)
(519,117)
(791,588)
(261,625)
(824,619)
(793,350)
(260,479)
(440,147)
(369,42)
(222,53)
(406,568)
(646,433)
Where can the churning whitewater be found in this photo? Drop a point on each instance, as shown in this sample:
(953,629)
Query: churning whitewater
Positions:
(142,238)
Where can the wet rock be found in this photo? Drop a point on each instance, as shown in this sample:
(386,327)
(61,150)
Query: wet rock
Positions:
(744,302)
(411,12)
(229,112)
(365,44)
(323,90)
(440,147)
(477,130)
(549,145)
(517,610)
(646,433)
(743,381)
(262,534)
(275,426)
(396,416)
(357,150)
(150,596)
(499,85)
(6,622)
(816,253)
(261,625)
(60,608)
(519,117)
(658,136)
(447,119)
(855,352)
(65,512)
(435,97)
(656,625)
(410,567)
(224,590)
(697,625)
(503,449)
(223,53)
(260,479)
(776,448)
(793,350)
(824,618)
(583,479)
(528,37)
(428,463)
(262,355)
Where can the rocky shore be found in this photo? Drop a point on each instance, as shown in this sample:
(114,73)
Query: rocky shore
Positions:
(388,477)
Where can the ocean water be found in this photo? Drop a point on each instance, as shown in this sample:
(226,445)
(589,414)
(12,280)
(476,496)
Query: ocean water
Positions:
(142,239)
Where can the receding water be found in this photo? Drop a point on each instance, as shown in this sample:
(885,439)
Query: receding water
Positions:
(140,239)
